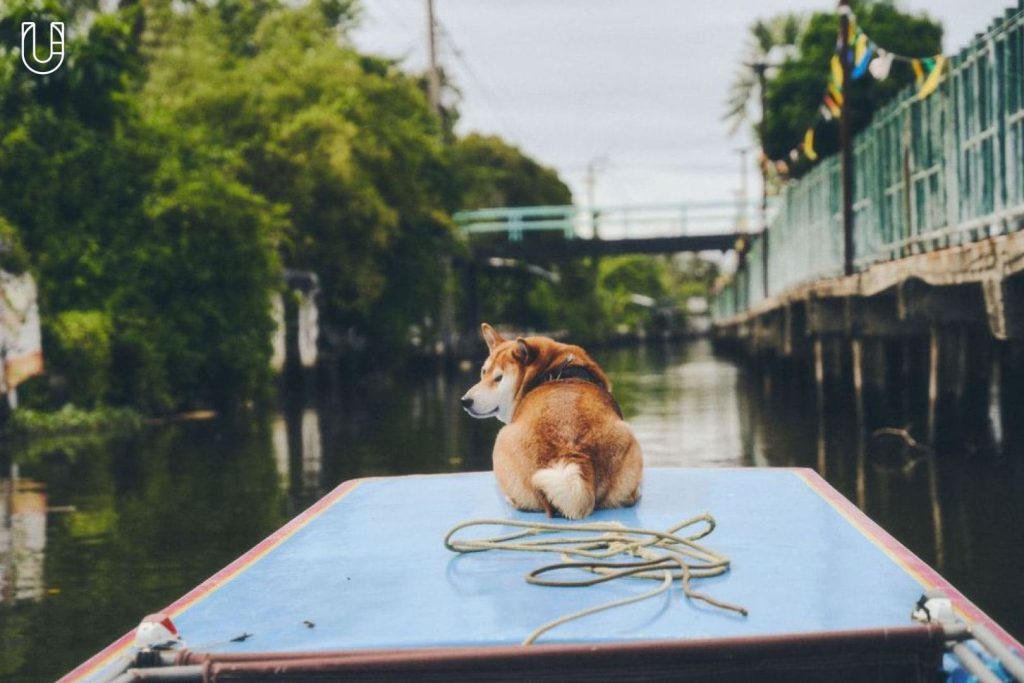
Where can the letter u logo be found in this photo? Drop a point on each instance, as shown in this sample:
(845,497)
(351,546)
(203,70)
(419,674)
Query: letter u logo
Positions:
(28,28)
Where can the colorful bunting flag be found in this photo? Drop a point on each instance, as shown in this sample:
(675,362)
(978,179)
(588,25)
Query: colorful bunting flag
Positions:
(865,57)
(836,95)
(915,64)
(881,64)
(862,56)
(932,82)
(837,71)
(808,145)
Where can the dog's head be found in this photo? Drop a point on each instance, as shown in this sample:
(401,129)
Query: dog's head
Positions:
(514,367)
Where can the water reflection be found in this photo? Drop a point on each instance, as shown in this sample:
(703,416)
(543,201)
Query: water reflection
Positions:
(312,453)
(157,513)
(22,538)
(684,408)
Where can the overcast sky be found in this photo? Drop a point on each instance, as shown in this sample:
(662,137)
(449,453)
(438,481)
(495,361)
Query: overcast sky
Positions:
(638,83)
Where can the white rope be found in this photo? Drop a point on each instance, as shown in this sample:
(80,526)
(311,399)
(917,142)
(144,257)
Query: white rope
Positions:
(661,555)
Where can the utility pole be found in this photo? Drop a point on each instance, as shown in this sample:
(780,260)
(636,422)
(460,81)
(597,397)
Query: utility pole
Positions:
(760,68)
(742,221)
(449,335)
(844,137)
(433,76)
(593,166)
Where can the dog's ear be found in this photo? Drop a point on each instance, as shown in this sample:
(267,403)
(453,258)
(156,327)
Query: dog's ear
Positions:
(490,336)
(524,352)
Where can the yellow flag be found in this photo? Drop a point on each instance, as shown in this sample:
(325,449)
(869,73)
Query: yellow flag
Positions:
(809,145)
(932,82)
(918,71)
(860,46)
(837,96)
(837,71)
(831,107)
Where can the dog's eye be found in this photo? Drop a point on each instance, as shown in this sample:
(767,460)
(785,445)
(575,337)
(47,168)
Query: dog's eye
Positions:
(497,378)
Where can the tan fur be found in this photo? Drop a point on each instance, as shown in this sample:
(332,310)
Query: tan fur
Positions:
(569,430)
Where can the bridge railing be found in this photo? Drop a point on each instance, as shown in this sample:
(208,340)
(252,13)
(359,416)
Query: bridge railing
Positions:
(928,174)
(641,221)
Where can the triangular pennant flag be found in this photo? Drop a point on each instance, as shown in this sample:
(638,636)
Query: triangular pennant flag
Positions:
(881,65)
(918,71)
(932,82)
(860,46)
(794,155)
(929,64)
(837,96)
(837,71)
(808,145)
(863,58)
(832,107)
(825,112)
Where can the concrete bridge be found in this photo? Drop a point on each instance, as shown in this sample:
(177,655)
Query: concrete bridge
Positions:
(570,231)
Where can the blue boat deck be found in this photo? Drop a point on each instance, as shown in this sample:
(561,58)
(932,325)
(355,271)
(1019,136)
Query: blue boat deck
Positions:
(366,568)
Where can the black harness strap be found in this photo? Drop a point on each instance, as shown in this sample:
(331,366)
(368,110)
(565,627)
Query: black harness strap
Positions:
(567,371)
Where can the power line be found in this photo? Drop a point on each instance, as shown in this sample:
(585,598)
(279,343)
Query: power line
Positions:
(485,90)
(393,14)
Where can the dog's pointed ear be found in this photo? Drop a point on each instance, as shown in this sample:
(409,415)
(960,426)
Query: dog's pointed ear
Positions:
(490,336)
(523,352)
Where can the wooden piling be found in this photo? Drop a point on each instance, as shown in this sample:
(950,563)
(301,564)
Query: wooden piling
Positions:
(995,399)
(819,385)
(819,373)
(933,379)
(857,354)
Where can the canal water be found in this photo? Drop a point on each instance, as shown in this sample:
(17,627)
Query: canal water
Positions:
(97,532)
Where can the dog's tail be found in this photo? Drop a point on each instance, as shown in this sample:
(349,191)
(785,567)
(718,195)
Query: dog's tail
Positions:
(568,484)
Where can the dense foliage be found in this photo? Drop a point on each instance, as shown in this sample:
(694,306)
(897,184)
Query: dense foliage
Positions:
(794,94)
(794,89)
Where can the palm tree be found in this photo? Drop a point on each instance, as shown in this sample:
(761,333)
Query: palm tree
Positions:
(770,41)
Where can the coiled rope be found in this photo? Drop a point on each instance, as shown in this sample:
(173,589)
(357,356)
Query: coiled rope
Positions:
(664,555)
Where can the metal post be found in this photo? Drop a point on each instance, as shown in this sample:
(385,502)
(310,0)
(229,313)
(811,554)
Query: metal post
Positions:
(448,332)
(760,69)
(433,77)
(593,166)
(844,137)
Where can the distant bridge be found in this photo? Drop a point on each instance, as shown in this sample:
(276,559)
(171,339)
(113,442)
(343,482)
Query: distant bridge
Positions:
(564,231)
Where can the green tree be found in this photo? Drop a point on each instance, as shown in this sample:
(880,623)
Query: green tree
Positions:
(794,93)
(345,144)
(132,222)
(768,40)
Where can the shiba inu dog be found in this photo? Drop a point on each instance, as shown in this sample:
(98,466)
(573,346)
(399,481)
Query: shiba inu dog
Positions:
(564,447)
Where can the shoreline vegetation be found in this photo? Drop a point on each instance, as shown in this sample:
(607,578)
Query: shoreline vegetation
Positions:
(70,419)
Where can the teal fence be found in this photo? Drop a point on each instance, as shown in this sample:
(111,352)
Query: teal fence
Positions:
(928,174)
(637,221)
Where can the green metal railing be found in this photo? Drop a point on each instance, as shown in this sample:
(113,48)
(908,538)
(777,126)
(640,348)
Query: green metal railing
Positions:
(928,174)
(614,222)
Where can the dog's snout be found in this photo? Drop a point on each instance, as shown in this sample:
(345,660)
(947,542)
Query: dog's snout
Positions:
(466,401)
